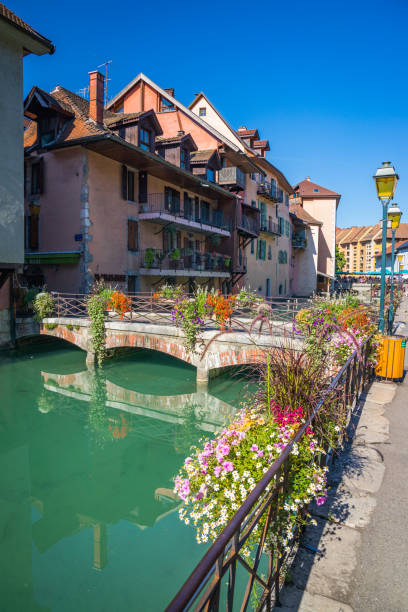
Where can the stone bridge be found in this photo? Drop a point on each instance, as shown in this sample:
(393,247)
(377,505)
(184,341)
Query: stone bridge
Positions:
(229,349)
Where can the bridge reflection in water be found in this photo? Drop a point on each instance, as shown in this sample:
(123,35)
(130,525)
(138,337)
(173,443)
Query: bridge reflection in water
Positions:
(126,428)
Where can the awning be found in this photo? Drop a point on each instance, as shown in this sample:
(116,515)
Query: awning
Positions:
(52,257)
(325,275)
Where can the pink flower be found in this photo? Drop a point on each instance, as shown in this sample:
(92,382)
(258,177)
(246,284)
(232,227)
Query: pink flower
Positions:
(321,500)
(199,495)
(254,447)
(218,470)
(187,460)
(228,466)
(260,453)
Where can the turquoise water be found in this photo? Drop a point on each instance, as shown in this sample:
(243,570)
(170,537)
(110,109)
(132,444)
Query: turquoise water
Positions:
(88,520)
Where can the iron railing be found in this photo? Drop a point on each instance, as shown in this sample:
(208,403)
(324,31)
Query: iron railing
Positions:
(270,227)
(213,583)
(154,309)
(184,260)
(247,224)
(183,211)
(270,190)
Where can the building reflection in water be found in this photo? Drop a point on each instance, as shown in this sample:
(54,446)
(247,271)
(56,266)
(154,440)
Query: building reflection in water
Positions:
(114,461)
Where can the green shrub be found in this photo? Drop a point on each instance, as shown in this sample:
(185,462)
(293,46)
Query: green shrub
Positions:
(50,326)
(69,326)
(96,310)
(44,305)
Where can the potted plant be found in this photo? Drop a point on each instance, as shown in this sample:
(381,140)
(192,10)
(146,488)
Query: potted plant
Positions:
(227,262)
(149,258)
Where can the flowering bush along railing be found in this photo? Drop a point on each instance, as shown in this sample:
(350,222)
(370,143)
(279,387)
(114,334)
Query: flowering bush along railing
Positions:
(249,488)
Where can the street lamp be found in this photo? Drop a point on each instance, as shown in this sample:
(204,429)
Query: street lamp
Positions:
(399,257)
(385,181)
(394,216)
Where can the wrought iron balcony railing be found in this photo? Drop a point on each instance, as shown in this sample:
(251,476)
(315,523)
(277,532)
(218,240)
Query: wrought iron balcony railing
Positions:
(248,225)
(185,212)
(184,259)
(270,227)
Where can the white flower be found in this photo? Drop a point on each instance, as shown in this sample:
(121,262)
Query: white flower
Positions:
(258,465)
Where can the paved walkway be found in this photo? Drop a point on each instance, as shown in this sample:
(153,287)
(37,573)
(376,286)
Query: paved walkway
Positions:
(356,558)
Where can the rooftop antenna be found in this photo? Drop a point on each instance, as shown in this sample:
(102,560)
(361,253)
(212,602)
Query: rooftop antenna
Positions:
(84,92)
(106,64)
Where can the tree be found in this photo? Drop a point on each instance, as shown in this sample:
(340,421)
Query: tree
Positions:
(340,260)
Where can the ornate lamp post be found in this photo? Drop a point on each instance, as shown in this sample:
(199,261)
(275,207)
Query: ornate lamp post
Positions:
(385,181)
(399,257)
(394,216)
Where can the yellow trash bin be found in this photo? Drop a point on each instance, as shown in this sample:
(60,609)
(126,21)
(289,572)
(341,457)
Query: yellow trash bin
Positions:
(391,357)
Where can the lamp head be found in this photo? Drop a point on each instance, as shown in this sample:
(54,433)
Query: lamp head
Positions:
(386,181)
(394,215)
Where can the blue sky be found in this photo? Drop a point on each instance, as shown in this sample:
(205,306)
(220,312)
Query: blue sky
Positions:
(325,81)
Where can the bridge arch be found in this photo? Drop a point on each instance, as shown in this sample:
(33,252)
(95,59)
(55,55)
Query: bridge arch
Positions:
(162,344)
(77,337)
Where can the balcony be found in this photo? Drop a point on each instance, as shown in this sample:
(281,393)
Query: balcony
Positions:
(248,225)
(232,177)
(299,241)
(154,262)
(270,191)
(184,215)
(270,227)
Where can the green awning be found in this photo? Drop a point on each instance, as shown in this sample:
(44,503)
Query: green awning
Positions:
(54,257)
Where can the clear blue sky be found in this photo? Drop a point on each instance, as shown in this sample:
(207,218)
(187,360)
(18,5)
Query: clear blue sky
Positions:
(325,81)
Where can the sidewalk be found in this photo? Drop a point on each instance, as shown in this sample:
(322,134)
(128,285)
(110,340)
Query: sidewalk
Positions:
(355,559)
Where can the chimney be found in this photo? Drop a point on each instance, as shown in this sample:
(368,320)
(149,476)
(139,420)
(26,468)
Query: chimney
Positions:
(96,95)
(242,128)
(170,91)
(307,178)
(180,133)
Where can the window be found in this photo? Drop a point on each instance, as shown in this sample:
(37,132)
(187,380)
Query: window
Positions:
(254,176)
(286,199)
(171,200)
(32,223)
(281,225)
(37,177)
(287,226)
(128,184)
(183,158)
(133,237)
(47,130)
(144,139)
(210,175)
(316,190)
(166,105)
(261,249)
(202,111)
(205,211)
(253,204)
(269,252)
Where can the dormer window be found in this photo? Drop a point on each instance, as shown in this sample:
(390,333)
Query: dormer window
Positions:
(144,139)
(47,129)
(202,111)
(166,105)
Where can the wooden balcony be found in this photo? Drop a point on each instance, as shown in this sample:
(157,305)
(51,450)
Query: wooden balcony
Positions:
(232,177)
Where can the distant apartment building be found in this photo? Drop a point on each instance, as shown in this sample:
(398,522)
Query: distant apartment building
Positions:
(362,244)
(321,204)
(17,39)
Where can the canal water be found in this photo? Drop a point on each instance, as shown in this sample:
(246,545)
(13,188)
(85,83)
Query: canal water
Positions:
(88,520)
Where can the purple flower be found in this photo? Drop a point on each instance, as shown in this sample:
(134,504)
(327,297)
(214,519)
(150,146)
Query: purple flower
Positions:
(254,447)
(228,466)
(321,500)
(260,453)
(218,470)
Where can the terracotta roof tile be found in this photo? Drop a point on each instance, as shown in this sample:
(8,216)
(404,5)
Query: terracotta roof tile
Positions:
(260,144)
(301,213)
(245,133)
(308,189)
(17,22)
(201,156)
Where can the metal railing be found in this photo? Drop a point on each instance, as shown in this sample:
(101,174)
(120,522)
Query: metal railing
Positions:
(248,225)
(155,309)
(214,578)
(270,227)
(188,261)
(184,211)
(270,190)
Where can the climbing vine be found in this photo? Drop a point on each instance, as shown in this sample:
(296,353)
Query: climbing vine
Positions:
(96,311)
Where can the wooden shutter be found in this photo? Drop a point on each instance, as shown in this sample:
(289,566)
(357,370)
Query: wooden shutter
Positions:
(132,235)
(124,183)
(41,176)
(142,187)
(33,231)
(131,186)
